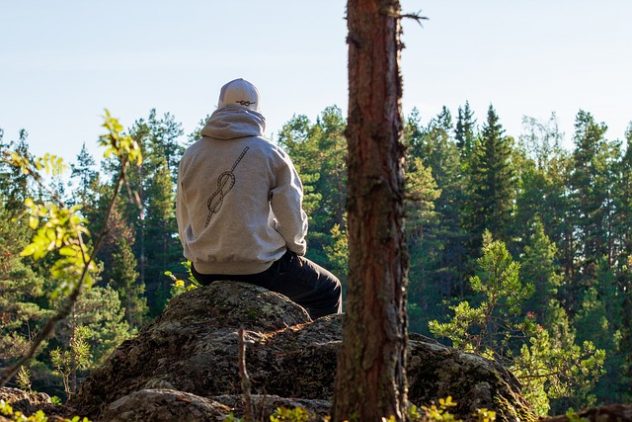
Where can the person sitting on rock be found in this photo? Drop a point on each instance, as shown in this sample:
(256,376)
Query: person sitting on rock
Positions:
(239,208)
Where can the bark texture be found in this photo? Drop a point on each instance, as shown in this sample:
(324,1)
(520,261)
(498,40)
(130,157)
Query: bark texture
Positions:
(371,378)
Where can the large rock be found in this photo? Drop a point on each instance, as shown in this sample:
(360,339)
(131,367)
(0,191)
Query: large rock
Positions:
(30,402)
(163,405)
(193,347)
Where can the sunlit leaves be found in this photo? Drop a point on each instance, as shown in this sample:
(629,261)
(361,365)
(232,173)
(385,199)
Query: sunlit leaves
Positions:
(50,164)
(59,229)
(117,143)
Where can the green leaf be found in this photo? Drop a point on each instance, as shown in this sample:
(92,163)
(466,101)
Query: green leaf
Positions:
(33,222)
(30,249)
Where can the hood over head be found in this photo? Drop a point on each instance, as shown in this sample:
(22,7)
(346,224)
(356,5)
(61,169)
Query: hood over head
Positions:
(234,121)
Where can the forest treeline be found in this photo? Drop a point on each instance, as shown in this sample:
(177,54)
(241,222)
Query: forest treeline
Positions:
(519,249)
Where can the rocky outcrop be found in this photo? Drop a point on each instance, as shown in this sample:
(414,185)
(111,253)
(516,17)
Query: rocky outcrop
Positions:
(29,402)
(164,405)
(189,355)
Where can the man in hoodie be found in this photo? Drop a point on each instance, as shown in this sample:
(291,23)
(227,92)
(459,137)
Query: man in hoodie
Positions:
(239,208)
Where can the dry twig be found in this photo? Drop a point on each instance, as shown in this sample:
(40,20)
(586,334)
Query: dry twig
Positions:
(249,410)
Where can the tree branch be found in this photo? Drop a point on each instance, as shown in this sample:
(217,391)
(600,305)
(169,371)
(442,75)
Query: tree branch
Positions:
(66,308)
(249,410)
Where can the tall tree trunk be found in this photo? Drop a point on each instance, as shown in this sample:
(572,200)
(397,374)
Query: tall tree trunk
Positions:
(371,376)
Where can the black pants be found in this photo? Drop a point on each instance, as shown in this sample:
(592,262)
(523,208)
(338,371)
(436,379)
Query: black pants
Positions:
(298,278)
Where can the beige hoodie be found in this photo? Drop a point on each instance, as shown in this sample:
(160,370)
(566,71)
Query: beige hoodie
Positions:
(239,201)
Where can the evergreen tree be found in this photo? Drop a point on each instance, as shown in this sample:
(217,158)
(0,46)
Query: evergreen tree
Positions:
(371,374)
(492,185)
(425,297)
(87,177)
(547,360)
(599,320)
(437,272)
(464,132)
(318,152)
(150,208)
(539,270)
(84,340)
(23,308)
(414,135)
(124,279)
(442,156)
(622,228)
(590,193)
(489,327)
(162,249)
(14,184)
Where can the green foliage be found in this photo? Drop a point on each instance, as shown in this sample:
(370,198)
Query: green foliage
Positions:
(547,361)
(487,328)
(318,152)
(39,416)
(492,183)
(180,286)
(23,379)
(150,209)
(100,313)
(553,367)
(77,356)
(440,413)
(565,215)
(283,414)
(539,269)
(465,131)
(124,278)
(118,144)
(21,308)
(337,251)
(59,230)
(434,186)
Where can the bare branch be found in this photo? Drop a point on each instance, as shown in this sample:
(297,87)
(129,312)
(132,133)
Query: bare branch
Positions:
(417,17)
(249,410)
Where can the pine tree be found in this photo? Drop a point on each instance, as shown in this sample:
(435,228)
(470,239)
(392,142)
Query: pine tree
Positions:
(540,271)
(371,375)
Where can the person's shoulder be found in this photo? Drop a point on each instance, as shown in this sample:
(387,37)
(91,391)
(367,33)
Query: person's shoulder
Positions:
(267,147)
(192,150)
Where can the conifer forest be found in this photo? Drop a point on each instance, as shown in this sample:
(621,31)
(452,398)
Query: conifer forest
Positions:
(519,245)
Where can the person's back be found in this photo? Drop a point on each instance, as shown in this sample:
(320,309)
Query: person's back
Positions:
(239,207)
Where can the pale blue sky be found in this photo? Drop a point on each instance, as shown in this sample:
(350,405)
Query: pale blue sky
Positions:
(62,62)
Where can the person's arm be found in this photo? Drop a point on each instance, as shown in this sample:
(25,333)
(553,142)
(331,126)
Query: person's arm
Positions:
(287,205)
(181,211)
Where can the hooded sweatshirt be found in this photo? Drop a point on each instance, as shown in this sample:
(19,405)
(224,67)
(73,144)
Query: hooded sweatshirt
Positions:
(239,200)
